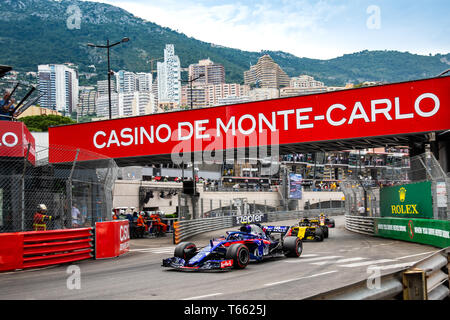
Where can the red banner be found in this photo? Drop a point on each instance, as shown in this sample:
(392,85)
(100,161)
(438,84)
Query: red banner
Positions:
(112,238)
(11,251)
(393,109)
(14,141)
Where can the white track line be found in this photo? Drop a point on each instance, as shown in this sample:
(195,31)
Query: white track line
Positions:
(295,279)
(205,296)
(415,255)
(366,263)
(339,261)
(312,259)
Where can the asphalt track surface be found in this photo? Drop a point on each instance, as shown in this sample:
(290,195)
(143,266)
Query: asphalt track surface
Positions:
(342,259)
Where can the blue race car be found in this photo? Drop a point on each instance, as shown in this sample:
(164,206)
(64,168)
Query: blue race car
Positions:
(251,242)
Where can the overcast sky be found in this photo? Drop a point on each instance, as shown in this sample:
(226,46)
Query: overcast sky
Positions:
(306,28)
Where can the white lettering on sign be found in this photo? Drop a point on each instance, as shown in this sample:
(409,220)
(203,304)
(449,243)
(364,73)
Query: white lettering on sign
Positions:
(9,139)
(249,219)
(336,115)
(124,233)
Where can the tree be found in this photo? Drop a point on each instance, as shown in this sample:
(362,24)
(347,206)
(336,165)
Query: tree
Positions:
(42,122)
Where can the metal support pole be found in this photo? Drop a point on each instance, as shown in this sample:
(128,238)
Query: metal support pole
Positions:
(69,186)
(23,186)
(109,80)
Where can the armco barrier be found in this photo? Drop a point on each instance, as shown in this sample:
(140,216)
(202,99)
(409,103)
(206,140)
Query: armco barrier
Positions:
(359,224)
(427,279)
(32,249)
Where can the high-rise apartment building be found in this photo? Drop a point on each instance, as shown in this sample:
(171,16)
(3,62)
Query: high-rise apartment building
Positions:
(125,81)
(213,73)
(169,77)
(209,95)
(87,101)
(266,74)
(102,87)
(305,81)
(144,81)
(59,85)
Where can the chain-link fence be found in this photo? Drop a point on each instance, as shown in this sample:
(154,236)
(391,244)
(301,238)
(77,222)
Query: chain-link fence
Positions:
(362,194)
(76,193)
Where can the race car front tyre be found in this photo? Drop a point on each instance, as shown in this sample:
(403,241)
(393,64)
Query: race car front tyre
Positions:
(325,231)
(240,255)
(185,250)
(292,247)
(319,234)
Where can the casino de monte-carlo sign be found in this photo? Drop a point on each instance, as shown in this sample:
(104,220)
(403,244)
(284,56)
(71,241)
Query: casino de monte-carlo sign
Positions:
(387,110)
(407,201)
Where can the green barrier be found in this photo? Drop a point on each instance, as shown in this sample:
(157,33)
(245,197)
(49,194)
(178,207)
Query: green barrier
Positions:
(426,231)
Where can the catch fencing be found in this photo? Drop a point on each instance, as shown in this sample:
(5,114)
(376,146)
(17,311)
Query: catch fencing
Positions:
(76,193)
(362,194)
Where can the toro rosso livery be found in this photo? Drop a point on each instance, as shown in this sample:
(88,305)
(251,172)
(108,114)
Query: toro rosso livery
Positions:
(252,242)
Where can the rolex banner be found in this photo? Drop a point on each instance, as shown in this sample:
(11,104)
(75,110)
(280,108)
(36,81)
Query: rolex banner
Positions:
(407,201)
(426,231)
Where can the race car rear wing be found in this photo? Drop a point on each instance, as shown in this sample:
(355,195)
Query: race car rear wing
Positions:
(277,229)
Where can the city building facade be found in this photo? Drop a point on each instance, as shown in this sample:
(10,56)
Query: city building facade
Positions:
(169,77)
(266,74)
(59,85)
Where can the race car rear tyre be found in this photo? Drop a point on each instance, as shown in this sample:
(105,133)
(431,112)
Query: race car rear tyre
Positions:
(319,234)
(325,231)
(331,223)
(240,255)
(292,247)
(185,250)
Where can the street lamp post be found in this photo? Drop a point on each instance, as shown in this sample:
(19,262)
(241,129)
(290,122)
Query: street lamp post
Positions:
(108,46)
(193,163)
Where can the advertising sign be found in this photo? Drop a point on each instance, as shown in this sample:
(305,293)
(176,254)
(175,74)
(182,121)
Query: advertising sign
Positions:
(426,231)
(441,194)
(14,141)
(407,201)
(295,186)
(392,109)
(112,238)
(251,218)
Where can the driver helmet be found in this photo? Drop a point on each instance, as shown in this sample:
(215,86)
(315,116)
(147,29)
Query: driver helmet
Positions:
(42,208)
(245,228)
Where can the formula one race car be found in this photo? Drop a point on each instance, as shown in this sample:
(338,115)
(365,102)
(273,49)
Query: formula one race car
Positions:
(251,242)
(309,229)
(324,220)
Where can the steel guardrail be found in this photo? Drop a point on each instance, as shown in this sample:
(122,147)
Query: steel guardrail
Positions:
(396,285)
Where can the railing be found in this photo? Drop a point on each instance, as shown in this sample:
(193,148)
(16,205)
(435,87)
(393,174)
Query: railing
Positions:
(427,279)
(360,224)
(188,228)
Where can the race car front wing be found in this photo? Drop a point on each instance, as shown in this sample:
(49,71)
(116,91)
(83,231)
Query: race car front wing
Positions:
(180,264)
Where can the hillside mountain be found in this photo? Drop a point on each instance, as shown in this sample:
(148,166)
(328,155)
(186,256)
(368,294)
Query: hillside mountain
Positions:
(34,32)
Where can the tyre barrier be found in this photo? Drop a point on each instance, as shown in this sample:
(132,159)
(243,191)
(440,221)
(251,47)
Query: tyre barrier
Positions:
(427,279)
(33,249)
